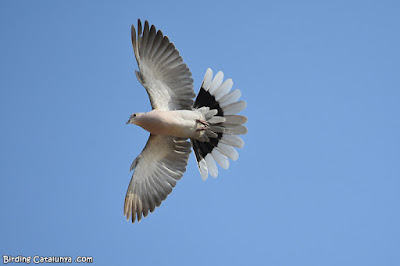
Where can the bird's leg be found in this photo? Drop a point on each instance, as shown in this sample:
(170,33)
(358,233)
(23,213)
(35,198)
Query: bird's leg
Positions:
(202,125)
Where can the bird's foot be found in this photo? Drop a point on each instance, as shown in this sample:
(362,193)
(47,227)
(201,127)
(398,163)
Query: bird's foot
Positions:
(202,125)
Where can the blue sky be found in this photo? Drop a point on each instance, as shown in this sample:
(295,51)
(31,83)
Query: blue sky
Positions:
(317,182)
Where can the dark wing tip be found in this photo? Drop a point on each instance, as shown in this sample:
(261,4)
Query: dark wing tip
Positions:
(139,26)
(133,35)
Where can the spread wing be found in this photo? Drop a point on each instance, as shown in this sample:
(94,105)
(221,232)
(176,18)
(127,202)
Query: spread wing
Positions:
(161,163)
(161,70)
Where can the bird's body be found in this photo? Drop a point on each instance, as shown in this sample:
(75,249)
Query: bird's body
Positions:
(210,122)
(178,123)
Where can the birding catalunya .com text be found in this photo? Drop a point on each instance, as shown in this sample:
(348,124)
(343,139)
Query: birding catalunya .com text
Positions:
(42,259)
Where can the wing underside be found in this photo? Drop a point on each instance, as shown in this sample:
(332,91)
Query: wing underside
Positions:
(162,72)
(156,170)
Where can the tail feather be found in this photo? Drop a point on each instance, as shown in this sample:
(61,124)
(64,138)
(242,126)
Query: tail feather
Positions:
(223,89)
(216,83)
(235,119)
(230,97)
(224,124)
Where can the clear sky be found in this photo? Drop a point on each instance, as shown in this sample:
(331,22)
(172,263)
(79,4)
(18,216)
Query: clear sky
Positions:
(317,182)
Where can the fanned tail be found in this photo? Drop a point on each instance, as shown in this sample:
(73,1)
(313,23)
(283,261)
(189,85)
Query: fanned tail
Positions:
(223,124)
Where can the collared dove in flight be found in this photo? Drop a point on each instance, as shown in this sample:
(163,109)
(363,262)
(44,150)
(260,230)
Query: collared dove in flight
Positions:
(210,122)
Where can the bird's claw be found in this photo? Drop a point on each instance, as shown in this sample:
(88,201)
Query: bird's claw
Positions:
(204,125)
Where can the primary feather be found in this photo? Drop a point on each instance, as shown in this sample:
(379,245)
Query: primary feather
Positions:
(161,70)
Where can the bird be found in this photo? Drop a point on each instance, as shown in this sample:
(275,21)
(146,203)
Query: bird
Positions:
(177,123)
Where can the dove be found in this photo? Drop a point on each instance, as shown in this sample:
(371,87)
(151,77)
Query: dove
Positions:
(177,123)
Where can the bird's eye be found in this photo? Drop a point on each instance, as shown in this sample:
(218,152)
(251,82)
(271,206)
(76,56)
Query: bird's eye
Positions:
(134,115)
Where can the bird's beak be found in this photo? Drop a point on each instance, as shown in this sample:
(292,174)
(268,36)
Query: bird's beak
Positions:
(128,121)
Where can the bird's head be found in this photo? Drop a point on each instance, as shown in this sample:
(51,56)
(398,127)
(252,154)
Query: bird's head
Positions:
(134,118)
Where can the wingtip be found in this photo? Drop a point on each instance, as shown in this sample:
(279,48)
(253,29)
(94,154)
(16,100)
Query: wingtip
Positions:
(139,29)
(128,208)
(133,36)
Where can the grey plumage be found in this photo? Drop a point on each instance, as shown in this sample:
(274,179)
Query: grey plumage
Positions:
(161,163)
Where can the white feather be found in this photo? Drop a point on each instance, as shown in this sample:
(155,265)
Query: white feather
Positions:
(216,120)
(207,79)
(217,129)
(236,130)
(228,151)
(220,159)
(217,81)
(235,119)
(203,169)
(234,108)
(223,89)
(232,140)
(212,167)
(211,113)
(229,98)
